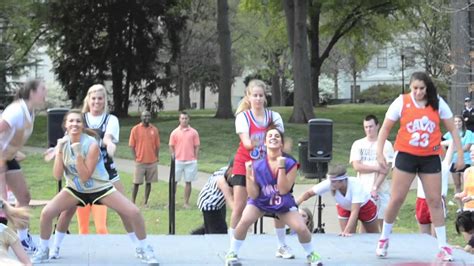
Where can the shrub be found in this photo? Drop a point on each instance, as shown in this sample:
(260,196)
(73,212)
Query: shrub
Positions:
(380,93)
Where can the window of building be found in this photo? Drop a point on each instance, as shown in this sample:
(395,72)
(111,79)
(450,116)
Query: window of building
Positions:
(382,59)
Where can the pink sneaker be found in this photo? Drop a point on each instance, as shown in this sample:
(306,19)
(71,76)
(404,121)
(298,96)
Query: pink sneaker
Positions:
(382,246)
(445,254)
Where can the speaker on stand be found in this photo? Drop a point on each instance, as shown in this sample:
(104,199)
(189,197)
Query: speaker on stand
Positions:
(314,156)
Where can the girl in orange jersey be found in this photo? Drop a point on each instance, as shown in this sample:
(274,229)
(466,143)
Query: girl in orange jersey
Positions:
(418,148)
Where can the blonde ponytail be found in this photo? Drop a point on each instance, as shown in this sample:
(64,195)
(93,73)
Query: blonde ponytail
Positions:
(19,217)
(245,102)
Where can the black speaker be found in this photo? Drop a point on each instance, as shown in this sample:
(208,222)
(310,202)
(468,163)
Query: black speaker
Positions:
(307,168)
(55,122)
(320,140)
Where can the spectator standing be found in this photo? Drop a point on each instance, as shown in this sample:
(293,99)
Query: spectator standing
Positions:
(184,148)
(363,158)
(144,143)
(467,139)
(468,114)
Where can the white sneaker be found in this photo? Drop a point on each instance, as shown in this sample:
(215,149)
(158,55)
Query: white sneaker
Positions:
(41,255)
(139,253)
(284,252)
(445,254)
(29,245)
(382,247)
(54,253)
(147,255)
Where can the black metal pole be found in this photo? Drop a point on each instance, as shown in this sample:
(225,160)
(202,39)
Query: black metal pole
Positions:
(172,203)
(320,228)
(321,171)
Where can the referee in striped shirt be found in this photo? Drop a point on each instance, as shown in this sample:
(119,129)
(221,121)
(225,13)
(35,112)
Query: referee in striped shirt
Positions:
(212,201)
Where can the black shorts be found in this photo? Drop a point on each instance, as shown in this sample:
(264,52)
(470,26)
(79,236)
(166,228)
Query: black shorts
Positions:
(89,198)
(458,171)
(237,180)
(13,165)
(406,162)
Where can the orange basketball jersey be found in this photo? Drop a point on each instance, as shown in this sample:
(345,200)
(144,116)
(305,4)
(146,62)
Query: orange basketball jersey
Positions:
(419,132)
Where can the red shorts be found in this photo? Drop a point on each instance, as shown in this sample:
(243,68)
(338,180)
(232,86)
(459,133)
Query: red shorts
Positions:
(422,211)
(367,212)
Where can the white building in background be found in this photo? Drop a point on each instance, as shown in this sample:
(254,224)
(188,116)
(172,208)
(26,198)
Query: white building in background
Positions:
(383,68)
(172,102)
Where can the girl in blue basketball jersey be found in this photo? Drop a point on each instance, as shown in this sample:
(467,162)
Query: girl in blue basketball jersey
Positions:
(269,183)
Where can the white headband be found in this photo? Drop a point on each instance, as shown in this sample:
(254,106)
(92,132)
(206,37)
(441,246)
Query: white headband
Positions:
(338,177)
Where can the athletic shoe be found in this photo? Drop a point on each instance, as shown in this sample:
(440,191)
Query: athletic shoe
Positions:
(230,258)
(445,254)
(40,255)
(147,255)
(314,259)
(54,253)
(382,246)
(29,245)
(139,253)
(284,252)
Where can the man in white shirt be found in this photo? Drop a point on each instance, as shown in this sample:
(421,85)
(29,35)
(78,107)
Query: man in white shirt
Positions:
(363,158)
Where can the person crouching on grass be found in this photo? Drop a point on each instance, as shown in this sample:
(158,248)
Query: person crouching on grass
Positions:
(87,182)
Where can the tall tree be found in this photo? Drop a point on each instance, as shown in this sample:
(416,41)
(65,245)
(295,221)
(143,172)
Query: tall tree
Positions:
(335,19)
(113,40)
(196,64)
(224,108)
(263,44)
(430,21)
(20,30)
(296,14)
(460,36)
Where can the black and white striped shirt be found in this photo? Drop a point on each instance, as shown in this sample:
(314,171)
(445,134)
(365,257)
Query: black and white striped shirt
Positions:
(211,197)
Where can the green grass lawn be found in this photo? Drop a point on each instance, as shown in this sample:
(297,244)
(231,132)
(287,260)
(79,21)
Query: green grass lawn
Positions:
(218,143)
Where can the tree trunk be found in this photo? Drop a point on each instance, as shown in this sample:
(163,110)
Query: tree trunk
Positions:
(302,107)
(284,94)
(354,87)
(117,87)
(289,7)
(315,11)
(276,96)
(202,97)
(186,96)
(3,87)
(224,106)
(181,105)
(459,55)
(336,83)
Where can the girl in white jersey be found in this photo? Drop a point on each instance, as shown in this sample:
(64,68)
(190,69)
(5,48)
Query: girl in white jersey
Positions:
(97,118)
(16,125)
(87,182)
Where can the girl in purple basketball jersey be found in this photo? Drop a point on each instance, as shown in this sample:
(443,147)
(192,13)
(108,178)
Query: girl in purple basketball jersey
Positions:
(269,183)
